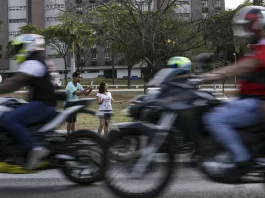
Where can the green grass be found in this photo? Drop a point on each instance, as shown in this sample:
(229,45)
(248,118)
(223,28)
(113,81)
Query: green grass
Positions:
(97,81)
(85,121)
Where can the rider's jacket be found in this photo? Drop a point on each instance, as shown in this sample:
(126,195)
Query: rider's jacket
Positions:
(41,88)
(253,83)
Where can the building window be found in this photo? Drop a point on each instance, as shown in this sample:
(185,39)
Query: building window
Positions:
(183,2)
(49,19)
(205,10)
(144,6)
(218,3)
(13,33)
(92,71)
(79,8)
(17,20)
(107,57)
(182,14)
(93,56)
(92,5)
(13,8)
(54,6)
(205,3)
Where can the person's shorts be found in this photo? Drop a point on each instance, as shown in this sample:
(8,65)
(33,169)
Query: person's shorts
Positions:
(108,114)
(71,118)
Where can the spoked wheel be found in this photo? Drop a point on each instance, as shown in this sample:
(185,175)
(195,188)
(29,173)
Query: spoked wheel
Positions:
(88,152)
(121,178)
(125,147)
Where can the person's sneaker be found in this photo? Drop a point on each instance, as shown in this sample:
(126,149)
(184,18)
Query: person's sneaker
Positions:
(35,156)
(225,171)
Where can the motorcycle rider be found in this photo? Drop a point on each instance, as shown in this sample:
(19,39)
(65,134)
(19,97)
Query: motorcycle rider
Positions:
(248,23)
(28,51)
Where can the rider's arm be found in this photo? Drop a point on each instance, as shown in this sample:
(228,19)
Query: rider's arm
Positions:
(14,83)
(243,66)
(26,71)
(247,64)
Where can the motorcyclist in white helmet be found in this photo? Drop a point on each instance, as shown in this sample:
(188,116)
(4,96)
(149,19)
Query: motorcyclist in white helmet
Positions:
(248,23)
(28,52)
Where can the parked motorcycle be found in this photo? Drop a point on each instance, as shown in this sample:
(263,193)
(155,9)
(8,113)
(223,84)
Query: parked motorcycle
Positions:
(171,119)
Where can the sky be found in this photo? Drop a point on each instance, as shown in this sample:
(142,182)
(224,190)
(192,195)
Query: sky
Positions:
(233,3)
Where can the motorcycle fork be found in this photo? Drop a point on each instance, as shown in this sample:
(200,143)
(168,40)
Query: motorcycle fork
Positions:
(162,131)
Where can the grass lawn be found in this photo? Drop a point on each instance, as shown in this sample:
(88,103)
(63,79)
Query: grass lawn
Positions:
(97,81)
(85,121)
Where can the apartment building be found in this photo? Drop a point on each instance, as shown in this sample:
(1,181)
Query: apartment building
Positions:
(44,13)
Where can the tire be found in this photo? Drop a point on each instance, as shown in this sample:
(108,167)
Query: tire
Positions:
(68,168)
(147,193)
(129,144)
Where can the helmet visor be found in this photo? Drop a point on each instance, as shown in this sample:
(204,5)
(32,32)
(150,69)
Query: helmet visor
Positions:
(15,49)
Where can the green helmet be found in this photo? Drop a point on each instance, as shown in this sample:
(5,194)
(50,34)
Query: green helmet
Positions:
(179,61)
(24,45)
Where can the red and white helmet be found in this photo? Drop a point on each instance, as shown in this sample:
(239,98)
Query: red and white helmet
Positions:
(249,22)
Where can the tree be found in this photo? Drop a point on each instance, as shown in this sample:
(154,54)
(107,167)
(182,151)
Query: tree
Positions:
(55,38)
(159,34)
(29,29)
(78,35)
(219,32)
(258,2)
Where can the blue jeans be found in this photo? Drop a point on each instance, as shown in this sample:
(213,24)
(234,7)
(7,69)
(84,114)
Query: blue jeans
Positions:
(15,121)
(222,121)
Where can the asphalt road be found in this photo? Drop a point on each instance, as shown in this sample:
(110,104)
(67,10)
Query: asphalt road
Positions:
(188,183)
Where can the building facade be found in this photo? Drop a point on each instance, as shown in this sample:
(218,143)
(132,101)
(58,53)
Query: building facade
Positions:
(44,13)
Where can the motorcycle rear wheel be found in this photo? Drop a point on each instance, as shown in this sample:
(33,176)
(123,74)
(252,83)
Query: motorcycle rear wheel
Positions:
(89,151)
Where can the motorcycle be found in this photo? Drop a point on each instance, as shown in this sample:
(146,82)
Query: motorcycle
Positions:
(79,156)
(171,118)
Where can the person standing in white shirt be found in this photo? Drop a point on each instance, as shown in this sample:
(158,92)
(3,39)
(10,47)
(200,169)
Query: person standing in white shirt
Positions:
(105,98)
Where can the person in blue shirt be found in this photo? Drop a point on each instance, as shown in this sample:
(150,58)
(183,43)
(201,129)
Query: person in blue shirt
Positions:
(73,90)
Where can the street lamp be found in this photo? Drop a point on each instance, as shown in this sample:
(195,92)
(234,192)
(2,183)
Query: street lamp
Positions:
(235,63)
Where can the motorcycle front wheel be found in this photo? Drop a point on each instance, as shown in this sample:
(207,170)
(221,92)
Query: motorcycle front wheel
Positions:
(156,176)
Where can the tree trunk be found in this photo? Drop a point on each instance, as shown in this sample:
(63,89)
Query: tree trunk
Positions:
(73,69)
(65,71)
(129,76)
(112,62)
(78,58)
(147,75)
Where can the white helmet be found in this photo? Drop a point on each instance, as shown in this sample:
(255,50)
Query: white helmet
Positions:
(25,44)
(249,21)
